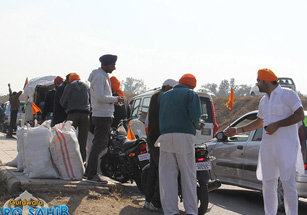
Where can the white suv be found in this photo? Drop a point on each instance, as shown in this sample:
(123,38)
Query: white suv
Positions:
(284,82)
(287,82)
(140,105)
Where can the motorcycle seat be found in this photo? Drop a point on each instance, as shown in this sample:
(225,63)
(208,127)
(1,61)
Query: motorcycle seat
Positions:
(125,143)
(128,144)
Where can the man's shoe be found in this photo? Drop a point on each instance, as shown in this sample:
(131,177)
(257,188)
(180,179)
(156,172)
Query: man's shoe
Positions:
(146,205)
(10,137)
(153,208)
(97,179)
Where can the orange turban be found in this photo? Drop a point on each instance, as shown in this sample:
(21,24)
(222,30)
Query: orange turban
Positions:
(115,86)
(266,75)
(188,79)
(73,76)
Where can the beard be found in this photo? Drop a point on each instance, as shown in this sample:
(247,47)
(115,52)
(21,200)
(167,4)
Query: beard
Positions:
(263,88)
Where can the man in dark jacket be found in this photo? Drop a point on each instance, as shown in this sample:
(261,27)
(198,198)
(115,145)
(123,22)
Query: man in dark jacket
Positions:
(59,114)
(152,197)
(15,103)
(76,101)
(49,100)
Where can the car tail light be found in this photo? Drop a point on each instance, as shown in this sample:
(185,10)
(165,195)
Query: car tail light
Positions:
(305,167)
(215,125)
(142,148)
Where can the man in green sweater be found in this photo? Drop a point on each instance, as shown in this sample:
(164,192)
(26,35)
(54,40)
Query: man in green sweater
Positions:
(180,112)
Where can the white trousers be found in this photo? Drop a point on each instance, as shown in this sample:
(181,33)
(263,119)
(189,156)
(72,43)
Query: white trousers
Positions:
(169,165)
(269,189)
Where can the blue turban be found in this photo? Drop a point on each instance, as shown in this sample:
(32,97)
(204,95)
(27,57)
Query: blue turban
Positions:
(107,59)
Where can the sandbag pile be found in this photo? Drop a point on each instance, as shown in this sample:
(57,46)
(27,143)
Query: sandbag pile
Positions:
(45,152)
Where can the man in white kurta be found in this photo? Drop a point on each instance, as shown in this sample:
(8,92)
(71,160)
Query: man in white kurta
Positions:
(279,111)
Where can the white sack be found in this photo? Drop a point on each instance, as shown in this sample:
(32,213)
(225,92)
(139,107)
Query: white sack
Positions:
(20,148)
(39,163)
(65,152)
(12,163)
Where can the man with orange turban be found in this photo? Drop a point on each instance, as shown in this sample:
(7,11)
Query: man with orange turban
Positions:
(121,111)
(180,112)
(49,100)
(59,114)
(280,109)
(76,101)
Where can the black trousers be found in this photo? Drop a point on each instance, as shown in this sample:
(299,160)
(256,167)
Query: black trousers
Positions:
(12,122)
(100,142)
(152,189)
(82,122)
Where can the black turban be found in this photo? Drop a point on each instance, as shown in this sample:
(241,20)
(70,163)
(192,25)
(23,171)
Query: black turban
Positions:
(107,59)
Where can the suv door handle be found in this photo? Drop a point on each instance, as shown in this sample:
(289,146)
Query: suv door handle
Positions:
(240,147)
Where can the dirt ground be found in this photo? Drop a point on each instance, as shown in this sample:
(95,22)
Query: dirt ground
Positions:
(92,203)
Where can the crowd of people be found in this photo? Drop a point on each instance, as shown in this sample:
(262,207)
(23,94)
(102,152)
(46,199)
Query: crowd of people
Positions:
(174,116)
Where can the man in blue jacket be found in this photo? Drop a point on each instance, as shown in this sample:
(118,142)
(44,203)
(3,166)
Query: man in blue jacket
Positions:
(180,112)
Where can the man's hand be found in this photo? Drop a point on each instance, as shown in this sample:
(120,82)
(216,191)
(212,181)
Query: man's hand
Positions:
(271,128)
(120,99)
(202,124)
(230,132)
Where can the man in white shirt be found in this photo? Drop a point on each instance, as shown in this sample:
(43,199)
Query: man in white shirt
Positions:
(102,103)
(280,109)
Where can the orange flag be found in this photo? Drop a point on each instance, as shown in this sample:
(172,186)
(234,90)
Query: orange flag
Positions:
(231,99)
(130,134)
(26,82)
(35,109)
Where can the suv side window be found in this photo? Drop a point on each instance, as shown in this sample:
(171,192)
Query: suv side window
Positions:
(135,108)
(145,104)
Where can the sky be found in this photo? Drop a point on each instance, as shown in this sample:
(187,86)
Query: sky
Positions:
(154,39)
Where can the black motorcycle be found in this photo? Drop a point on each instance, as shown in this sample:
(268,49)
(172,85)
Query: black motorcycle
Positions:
(204,182)
(124,159)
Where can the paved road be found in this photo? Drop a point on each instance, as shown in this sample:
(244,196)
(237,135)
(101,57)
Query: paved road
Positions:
(227,200)
(233,200)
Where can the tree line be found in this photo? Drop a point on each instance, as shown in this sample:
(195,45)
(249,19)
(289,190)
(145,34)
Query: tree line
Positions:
(137,86)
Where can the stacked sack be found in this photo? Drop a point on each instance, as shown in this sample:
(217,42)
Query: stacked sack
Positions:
(45,152)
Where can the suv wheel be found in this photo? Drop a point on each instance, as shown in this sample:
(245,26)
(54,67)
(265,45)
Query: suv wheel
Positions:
(252,94)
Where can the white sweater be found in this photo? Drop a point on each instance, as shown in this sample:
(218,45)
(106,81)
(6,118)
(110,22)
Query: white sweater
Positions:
(102,100)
